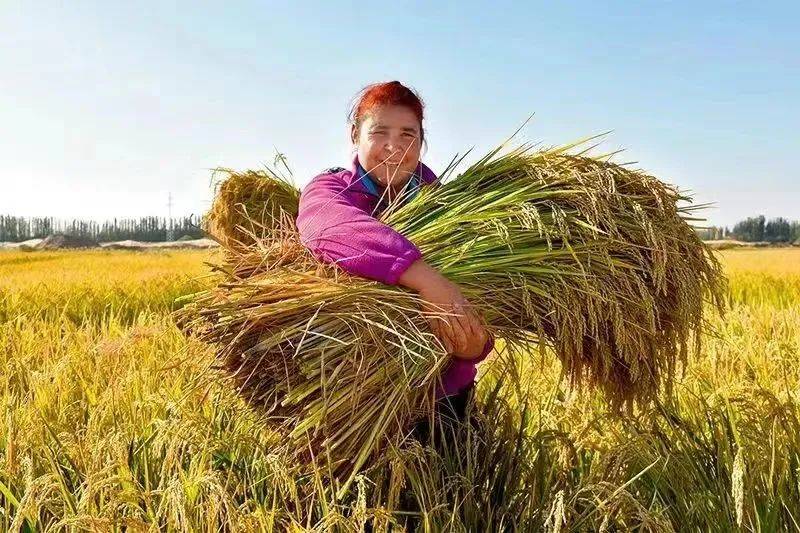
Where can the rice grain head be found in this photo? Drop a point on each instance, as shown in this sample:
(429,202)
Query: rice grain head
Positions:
(248,205)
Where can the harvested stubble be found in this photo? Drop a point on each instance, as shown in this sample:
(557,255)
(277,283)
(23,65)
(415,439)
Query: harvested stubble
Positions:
(591,258)
(248,205)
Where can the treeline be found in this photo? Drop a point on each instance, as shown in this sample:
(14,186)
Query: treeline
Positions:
(756,229)
(159,229)
(147,229)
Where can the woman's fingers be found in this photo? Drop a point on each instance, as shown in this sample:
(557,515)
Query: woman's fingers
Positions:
(458,334)
(480,332)
(437,327)
(452,331)
(459,331)
(446,337)
(473,328)
(462,317)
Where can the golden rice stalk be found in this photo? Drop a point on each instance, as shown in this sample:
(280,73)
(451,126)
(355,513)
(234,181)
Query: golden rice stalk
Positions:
(248,205)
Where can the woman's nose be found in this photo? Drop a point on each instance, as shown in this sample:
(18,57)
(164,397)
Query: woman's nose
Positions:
(394,144)
(391,148)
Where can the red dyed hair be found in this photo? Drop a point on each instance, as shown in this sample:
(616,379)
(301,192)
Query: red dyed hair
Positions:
(387,93)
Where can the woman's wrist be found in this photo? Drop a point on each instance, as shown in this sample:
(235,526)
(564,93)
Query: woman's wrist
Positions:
(418,276)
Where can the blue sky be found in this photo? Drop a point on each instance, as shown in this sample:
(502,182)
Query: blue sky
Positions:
(105,107)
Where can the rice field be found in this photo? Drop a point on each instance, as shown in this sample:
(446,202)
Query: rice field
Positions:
(113,420)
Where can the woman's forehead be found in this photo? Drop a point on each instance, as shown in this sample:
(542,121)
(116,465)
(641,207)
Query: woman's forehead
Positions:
(392,116)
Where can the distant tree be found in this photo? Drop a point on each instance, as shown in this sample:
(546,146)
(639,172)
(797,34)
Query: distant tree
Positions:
(795,231)
(750,230)
(152,229)
(778,230)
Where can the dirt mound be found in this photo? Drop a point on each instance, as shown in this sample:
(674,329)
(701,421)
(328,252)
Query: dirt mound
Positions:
(30,244)
(124,245)
(179,244)
(60,242)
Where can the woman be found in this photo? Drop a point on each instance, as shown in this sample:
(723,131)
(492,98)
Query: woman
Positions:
(338,222)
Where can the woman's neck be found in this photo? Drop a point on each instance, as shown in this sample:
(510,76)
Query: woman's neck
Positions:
(394,190)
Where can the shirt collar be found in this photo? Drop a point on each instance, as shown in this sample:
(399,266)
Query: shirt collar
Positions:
(375,189)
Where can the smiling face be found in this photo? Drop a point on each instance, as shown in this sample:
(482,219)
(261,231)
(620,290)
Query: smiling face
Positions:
(388,142)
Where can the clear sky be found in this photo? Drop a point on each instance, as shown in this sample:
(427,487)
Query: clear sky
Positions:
(107,106)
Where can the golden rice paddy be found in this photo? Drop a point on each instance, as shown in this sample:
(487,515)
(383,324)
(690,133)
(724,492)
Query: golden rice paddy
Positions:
(110,420)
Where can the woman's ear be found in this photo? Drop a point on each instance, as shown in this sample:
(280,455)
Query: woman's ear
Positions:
(354,133)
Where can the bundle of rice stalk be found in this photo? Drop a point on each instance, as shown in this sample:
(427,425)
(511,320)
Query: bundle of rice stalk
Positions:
(249,205)
(591,258)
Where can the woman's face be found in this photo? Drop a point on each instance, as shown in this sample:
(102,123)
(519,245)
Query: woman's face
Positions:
(388,144)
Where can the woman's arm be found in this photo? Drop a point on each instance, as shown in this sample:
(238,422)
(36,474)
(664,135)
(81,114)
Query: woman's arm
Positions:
(462,333)
(336,230)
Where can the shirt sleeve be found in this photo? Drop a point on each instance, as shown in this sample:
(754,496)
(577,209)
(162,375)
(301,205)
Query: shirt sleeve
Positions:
(337,231)
(460,373)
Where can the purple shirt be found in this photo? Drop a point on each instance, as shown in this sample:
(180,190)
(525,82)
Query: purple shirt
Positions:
(336,221)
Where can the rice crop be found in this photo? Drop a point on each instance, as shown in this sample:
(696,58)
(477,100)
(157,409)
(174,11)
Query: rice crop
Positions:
(111,421)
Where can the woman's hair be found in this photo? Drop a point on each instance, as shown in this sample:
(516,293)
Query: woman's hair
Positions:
(387,93)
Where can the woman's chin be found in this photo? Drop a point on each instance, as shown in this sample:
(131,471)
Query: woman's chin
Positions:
(397,170)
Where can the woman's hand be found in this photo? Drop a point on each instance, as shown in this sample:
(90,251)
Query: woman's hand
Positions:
(455,322)
(460,330)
